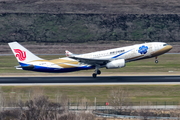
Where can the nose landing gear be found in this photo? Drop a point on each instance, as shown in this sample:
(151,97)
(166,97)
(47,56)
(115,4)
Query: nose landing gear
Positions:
(156,60)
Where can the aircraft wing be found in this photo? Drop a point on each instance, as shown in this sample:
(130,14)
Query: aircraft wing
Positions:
(91,61)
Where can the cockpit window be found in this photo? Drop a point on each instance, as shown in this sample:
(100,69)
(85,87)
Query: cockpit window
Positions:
(165,44)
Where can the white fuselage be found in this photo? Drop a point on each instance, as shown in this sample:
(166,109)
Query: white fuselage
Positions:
(129,53)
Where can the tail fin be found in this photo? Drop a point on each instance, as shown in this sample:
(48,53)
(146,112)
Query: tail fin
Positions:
(22,54)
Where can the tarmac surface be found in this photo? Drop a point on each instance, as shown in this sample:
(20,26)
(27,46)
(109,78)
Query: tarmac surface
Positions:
(89,80)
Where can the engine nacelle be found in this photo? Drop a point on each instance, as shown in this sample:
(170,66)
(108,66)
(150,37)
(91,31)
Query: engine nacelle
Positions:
(116,64)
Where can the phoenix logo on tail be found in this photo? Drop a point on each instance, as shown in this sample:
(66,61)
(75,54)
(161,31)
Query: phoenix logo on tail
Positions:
(21,55)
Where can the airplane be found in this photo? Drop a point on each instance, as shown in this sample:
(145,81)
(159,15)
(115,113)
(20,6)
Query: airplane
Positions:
(110,59)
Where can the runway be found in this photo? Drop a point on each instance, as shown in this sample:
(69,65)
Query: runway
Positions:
(74,80)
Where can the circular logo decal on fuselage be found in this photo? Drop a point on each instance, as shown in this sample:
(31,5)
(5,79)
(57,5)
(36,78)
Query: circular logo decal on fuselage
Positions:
(143,49)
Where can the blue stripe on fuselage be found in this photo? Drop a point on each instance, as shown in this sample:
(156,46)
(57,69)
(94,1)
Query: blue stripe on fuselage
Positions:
(121,54)
(55,70)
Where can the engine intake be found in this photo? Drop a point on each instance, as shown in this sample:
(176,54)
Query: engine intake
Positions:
(116,64)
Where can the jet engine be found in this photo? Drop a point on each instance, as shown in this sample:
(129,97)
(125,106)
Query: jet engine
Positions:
(116,64)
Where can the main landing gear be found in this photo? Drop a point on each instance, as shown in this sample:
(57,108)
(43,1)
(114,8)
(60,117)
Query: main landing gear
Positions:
(94,75)
(156,60)
(96,72)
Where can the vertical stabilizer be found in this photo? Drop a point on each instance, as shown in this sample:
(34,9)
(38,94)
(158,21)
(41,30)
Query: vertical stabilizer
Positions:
(22,54)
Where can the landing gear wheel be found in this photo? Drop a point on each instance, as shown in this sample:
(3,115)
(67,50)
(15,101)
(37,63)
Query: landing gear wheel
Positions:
(156,61)
(94,75)
(98,72)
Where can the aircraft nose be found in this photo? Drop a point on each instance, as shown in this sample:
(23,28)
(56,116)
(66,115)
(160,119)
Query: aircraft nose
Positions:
(162,51)
(168,47)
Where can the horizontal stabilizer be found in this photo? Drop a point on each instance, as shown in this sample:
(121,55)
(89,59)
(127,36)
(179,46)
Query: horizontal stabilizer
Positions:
(29,67)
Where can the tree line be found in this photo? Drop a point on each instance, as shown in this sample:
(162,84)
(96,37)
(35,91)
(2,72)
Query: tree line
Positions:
(65,28)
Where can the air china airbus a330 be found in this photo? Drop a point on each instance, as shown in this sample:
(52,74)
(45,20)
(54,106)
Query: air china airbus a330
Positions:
(111,59)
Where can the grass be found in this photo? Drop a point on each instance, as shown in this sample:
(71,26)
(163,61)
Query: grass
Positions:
(137,93)
(151,93)
(167,62)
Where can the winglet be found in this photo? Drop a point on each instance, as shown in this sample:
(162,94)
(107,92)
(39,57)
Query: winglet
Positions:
(69,54)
